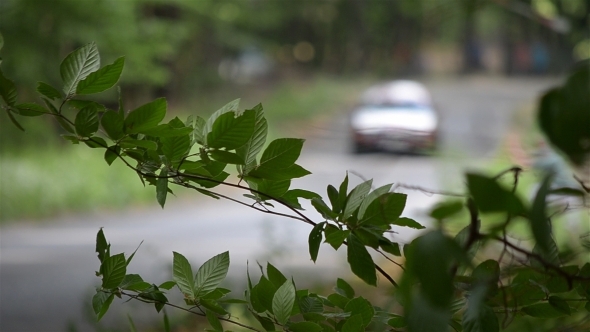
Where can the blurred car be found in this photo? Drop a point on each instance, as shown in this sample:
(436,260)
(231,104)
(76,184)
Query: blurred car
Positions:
(395,116)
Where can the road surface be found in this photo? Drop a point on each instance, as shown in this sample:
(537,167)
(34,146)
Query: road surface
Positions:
(47,269)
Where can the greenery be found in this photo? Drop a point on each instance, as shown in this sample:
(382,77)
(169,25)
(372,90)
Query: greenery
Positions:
(29,187)
(449,281)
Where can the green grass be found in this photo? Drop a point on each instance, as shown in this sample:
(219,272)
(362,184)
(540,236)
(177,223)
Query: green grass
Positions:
(38,183)
(43,183)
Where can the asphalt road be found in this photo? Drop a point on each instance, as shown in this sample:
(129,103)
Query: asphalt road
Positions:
(47,269)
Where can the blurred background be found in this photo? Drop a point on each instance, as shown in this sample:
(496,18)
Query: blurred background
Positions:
(300,58)
(485,62)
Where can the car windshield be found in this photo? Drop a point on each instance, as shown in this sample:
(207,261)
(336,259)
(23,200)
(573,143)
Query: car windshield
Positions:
(405,106)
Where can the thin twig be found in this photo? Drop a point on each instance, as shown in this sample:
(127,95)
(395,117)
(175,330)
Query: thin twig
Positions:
(138,298)
(389,259)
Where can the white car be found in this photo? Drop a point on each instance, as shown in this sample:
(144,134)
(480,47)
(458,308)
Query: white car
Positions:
(396,116)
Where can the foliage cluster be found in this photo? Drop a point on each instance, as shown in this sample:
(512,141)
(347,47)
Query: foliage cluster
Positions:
(444,285)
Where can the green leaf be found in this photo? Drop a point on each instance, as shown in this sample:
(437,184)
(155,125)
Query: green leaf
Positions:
(7,90)
(113,270)
(266,322)
(226,157)
(540,223)
(102,247)
(291,172)
(487,272)
(198,134)
(564,114)
(167,285)
(80,104)
(96,142)
(542,310)
(162,187)
(489,196)
(31,109)
(446,209)
(343,191)
(113,124)
(231,131)
(421,315)
(13,120)
(211,274)
(166,130)
(291,197)
(323,209)
(353,324)
(216,294)
(407,222)
(73,139)
(166,322)
(315,239)
(255,300)
(255,143)
(134,282)
(337,237)
(371,197)
(86,122)
(356,197)
(338,300)
(182,274)
(48,91)
(77,66)
(232,106)
(274,189)
(362,307)
(386,210)
(397,321)
(390,247)
(311,304)
(478,317)
(305,327)
(102,79)
(361,262)
(283,301)
(280,154)
(146,116)
(333,197)
(274,275)
(560,304)
(129,143)
(213,306)
(429,259)
(156,295)
(175,148)
(101,302)
(266,291)
(214,321)
(345,287)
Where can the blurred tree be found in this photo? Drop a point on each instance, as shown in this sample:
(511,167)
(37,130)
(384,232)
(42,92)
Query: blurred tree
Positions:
(38,32)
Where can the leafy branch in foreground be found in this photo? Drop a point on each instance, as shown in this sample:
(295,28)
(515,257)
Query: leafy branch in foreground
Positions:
(448,281)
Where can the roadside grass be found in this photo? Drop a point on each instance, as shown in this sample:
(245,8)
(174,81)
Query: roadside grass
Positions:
(59,178)
(44,183)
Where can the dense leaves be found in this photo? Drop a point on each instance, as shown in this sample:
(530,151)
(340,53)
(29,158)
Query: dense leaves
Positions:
(564,114)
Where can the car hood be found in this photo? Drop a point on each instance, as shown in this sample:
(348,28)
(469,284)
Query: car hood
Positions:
(410,119)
